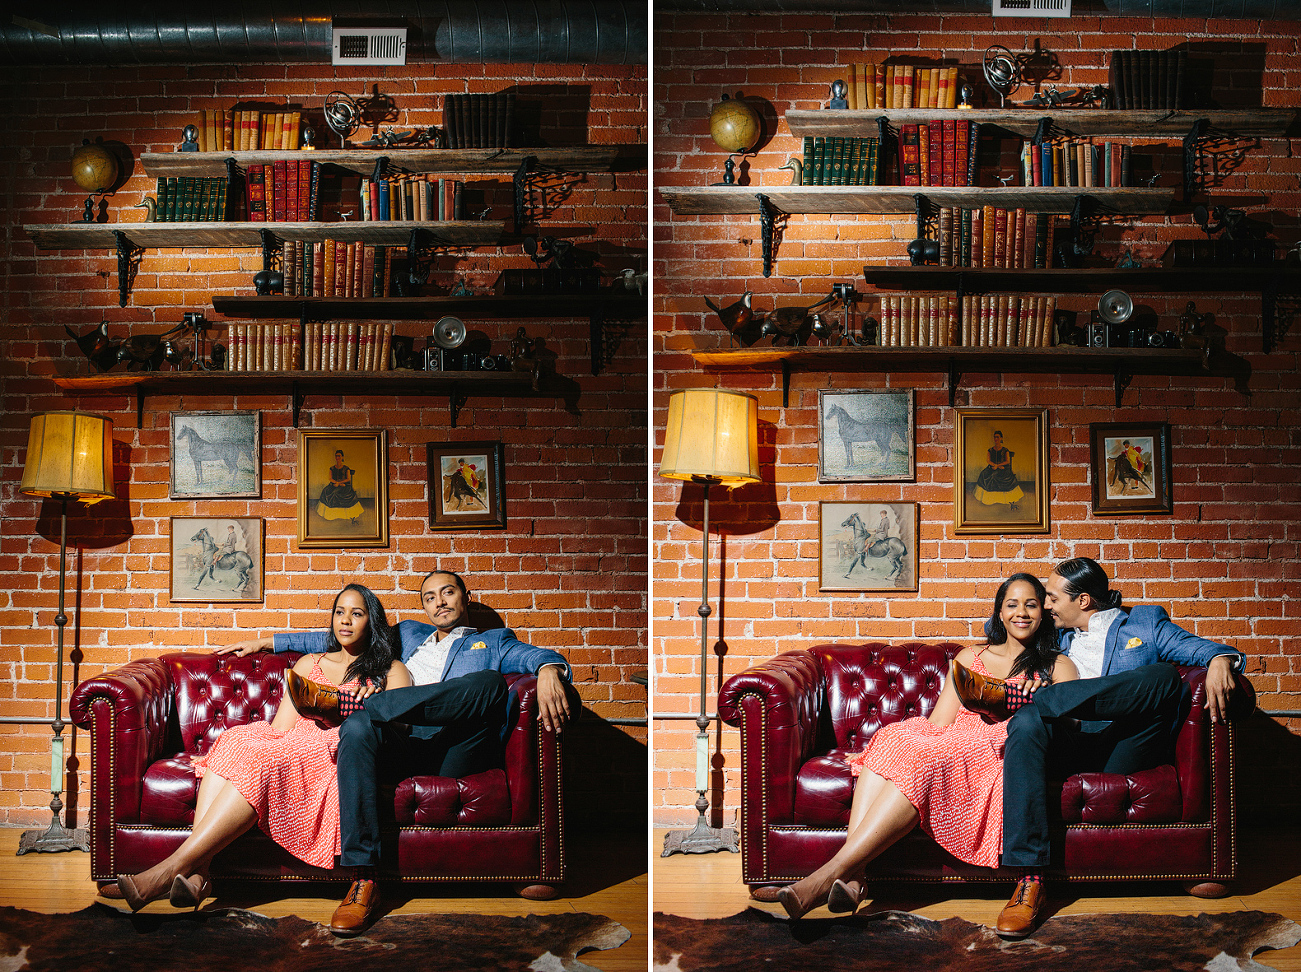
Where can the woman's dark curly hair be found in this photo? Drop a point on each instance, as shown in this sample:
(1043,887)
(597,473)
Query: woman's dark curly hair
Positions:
(1041,653)
(373,663)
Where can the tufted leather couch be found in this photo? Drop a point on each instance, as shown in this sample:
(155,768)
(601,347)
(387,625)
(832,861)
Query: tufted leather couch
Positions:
(802,712)
(147,718)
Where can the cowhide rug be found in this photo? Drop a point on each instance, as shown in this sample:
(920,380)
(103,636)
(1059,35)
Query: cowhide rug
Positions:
(897,940)
(100,938)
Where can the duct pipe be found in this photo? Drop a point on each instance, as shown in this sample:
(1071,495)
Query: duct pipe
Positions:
(232,31)
(1227,9)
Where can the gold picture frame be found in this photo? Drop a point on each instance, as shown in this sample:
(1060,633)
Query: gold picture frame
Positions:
(1000,471)
(343,488)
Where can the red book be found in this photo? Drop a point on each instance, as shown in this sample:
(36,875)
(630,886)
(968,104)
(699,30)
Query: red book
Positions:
(339,260)
(961,136)
(949,152)
(304,190)
(910,170)
(291,191)
(278,181)
(1037,165)
(255,187)
(935,147)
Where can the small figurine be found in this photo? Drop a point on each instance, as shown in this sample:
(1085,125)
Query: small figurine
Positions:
(632,280)
(309,133)
(151,204)
(1006,179)
(266,282)
(796,167)
(190,139)
(1127,261)
(838,91)
(462,289)
(967,93)
(739,320)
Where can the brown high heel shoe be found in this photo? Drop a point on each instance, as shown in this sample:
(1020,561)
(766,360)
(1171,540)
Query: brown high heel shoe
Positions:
(790,900)
(189,893)
(131,894)
(844,897)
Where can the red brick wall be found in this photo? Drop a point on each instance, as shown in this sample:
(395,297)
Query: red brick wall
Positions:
(1225,563)
(568,572)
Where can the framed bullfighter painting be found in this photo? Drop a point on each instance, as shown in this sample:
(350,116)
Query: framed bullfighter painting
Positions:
(215,455)
(865,436)
(343,488)
(216,559)
(867,546)
(467,485)
(1131,467)
(1000,470)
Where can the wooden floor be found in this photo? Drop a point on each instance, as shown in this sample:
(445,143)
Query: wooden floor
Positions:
(709,886)
(605,877)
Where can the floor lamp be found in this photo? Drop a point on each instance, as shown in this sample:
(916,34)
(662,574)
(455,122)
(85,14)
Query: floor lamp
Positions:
(69,457)
(711,438)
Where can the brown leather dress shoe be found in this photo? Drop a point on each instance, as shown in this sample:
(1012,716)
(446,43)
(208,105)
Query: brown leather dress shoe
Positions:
(360,907)
(981,694)
(1020,916)
(315,701)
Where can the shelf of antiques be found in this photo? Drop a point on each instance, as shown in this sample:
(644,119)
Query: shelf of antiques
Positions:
(68,236)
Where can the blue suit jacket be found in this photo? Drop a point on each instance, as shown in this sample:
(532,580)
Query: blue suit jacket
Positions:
(496,650)
(1144,635)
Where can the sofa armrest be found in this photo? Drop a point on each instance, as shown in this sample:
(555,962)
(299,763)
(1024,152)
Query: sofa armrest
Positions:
(1204,750)
(534,759)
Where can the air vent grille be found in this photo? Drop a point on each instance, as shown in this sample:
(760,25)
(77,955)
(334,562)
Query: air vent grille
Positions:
(1032,8)
(370,45)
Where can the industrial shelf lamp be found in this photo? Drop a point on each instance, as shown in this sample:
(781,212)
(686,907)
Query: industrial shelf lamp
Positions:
(69,457)
(711,438)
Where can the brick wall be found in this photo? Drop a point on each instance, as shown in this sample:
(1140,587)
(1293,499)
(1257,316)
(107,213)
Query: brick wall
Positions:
(1225,563)
(568,572)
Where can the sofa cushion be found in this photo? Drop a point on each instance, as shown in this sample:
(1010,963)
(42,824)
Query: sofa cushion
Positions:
(824,790)
(479,800)
(169,792)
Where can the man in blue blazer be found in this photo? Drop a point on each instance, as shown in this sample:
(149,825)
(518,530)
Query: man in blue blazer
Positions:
(1122,715)
(450,722)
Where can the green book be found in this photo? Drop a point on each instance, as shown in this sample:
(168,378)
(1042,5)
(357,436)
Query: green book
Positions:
(819,160)
(873,162)
(223,189)
(854,146)
(807,177)
(837,161)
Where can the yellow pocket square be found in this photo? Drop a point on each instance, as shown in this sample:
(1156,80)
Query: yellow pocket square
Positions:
(1132,643)
(479,645)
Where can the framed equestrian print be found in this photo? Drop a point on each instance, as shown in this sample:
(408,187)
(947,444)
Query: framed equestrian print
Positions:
(216,559)
(1000,470)
(467,485)
(343,488)
(215,455)
(865,436)
(1131,467)
(867,546)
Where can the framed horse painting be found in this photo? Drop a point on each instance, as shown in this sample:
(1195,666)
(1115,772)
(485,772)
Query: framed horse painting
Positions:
(467,485)
(865,436)
(342,488)
(867,546)
(215,455)
(1131,467)
(216,559)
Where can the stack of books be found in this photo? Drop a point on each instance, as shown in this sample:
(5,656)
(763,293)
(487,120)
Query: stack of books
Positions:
(230,130)
(880,85)
(333,268)
(1147,79)
(1008,320)
(836,161)
(420,197)
(191,199)
(283,192)
(264,347)
(1076,162)
(938,153)
(347,346)
(479,120)
(989,237)
(919,321)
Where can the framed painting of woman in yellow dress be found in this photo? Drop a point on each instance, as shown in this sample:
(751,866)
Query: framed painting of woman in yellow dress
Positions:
(343,488)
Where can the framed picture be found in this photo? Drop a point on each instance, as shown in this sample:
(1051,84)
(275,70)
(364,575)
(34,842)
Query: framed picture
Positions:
(865,436)
(343,488)
(215,455)
(216,559)
(1000,470)
(1131,467)
(467,485)
(867,546)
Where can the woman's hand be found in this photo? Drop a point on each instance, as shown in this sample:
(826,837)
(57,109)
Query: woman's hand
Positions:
(365,689)
(242,648)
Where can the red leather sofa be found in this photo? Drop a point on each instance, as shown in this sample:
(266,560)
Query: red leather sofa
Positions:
(803,711)
(147,718)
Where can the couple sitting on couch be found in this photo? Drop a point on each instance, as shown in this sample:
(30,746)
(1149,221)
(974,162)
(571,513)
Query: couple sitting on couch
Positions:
(358,707)
(1014,714)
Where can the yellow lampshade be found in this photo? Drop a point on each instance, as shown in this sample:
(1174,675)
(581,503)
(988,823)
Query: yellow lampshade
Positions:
(712,434)
(69,456)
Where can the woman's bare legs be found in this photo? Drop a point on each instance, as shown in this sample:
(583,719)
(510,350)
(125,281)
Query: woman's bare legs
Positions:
(886,817)
(221,815)
(845,897)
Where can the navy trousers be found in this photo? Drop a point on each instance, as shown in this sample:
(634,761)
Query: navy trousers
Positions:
(452,728)
(1143,707)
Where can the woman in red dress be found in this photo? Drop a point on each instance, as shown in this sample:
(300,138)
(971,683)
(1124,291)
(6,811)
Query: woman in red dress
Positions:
(944,770)
(279,775)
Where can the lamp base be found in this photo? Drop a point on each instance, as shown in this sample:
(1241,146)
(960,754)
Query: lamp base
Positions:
(702,839)
(54,839)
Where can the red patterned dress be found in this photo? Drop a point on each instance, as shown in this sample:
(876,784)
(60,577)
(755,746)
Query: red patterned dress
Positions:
(288,777)
(953,775)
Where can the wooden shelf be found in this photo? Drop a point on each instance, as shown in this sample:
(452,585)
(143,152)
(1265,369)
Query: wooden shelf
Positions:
(744,200)
(1086,280)
(608,304)
(1270,122)
(1121,363)
(389,233)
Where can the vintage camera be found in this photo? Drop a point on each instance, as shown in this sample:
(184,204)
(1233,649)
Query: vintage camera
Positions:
(1162,339)
(1099,335)
(451,359)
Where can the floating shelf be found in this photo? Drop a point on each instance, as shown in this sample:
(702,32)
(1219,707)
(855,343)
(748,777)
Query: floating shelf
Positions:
(1270,122)
(744,200)
(389,233)
(580,158)
(1121,363)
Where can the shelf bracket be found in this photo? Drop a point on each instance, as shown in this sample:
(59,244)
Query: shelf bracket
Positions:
(140,407)
(1041,132)
(521,184)
(767,220)
(456,401)
(381,164)
(921,251)
(296,397)
(786,383)
(1122,382)
(269,247)
(955,376)
(1191,141)
(128,262)
(883,144)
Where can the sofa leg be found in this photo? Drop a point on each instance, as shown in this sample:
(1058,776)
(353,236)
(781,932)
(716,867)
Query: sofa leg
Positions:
(537,892)
(765,892)
(1206,889)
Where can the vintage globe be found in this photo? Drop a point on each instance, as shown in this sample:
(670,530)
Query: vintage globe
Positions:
(734,125)
(94,168)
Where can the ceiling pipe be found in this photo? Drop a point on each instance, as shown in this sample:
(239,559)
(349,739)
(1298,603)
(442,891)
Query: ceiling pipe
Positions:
(1227,9)
(231,31)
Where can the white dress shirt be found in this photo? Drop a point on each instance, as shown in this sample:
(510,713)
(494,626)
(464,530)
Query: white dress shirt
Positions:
(427,662)
(1089,645)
